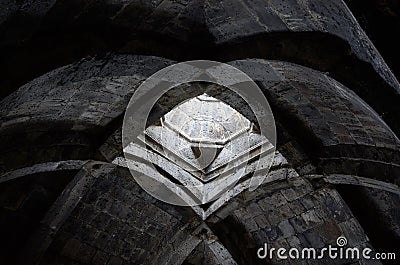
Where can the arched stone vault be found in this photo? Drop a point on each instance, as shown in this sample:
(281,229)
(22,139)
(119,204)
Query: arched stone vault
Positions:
(302,101)
(324,35)
(63,201)
(325,117)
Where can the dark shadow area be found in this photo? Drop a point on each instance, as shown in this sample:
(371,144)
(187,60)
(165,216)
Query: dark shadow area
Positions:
(324,52)
(369,215)
(381,21)
(23,204)
(236,240)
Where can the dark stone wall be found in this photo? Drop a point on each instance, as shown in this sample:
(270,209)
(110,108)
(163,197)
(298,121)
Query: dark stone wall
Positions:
(69,69)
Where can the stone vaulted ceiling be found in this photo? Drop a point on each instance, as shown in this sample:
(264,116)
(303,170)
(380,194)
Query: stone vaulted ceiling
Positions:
(69,69)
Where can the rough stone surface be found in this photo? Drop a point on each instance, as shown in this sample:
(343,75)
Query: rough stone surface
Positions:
(62,201)
(321,35)
(346,127)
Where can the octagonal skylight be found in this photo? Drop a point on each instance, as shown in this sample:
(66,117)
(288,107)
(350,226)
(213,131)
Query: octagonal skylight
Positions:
(204,119)
(205,145)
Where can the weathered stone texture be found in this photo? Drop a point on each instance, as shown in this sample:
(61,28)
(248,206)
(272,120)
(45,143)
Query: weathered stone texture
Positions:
(65,108)
(345,129)
(225,20)
(60,205)
(229,20)
(87,94)
(116,218)
(293,214)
